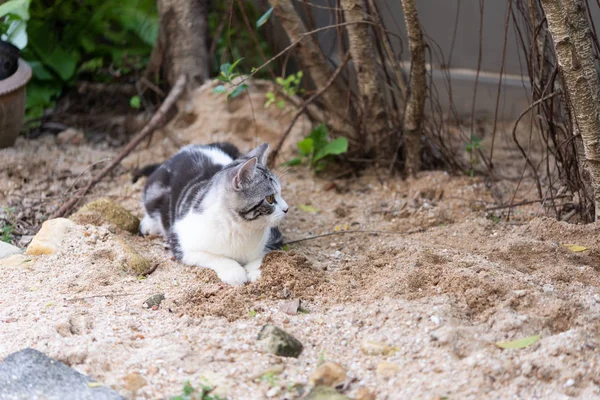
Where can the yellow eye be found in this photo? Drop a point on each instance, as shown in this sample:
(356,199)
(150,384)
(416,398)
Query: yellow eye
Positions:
(270,199)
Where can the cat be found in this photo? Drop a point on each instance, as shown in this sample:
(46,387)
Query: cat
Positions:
(217,208)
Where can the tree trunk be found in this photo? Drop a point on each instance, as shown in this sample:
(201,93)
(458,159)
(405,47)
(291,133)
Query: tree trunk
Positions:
(371,108)
(417,86)
(334,98)
(182,45)
(570,34)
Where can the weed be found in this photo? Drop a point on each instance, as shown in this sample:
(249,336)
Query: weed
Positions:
(290,86)
(7,227)
(271,378)
(252,313)
(228,75)
(191,393)
(317,148)
(471,148)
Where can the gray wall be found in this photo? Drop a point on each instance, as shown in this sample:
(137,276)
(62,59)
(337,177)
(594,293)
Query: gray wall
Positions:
(439,18)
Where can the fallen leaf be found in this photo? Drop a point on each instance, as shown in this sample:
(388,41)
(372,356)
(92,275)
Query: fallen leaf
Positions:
(519,343)
(308,209)
(290,307)
(575,248)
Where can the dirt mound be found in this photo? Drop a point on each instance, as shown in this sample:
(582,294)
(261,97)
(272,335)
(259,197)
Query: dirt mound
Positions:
(284,275)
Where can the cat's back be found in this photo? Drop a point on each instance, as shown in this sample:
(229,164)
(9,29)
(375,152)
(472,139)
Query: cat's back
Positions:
(201,161)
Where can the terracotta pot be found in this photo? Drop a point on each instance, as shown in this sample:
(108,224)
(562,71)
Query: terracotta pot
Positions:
(12,104)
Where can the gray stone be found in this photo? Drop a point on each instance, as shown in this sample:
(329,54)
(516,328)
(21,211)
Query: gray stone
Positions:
(8,250)
(279,342)
(30,374)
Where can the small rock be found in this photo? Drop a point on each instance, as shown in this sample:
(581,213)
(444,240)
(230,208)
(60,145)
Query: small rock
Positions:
(7,249)
(328,374)
(375,348)
(102,211)
(154,301)
(50,236)
(28,373)
(435,319)
(70,136)
(274,391)
(325,393)
(290,307)
(387,369)
(134,382)
(277,341)
(364,394)
(16,260)
(134,262)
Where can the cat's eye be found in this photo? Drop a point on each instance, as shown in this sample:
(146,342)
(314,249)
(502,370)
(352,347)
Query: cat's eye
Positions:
(270,199)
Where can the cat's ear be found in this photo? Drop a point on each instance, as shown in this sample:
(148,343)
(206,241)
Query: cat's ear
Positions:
(244,173)
(261,153)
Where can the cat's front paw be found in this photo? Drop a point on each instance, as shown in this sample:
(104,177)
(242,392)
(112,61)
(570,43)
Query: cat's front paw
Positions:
(253,269)
(233,276)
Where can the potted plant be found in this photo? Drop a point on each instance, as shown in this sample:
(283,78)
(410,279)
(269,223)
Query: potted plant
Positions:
(14,72)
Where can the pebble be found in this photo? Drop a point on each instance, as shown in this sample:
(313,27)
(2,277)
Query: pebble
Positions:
(49,239)
(435,319)
(328,374)
(70,136)
(135,263)
(154,301)
(277,341)
(375,348)
(387,369)
(134,381)
(274,391)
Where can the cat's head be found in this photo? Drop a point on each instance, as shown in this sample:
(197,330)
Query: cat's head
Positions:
(254,192)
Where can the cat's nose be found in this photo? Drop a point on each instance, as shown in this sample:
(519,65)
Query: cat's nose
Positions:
(285,210)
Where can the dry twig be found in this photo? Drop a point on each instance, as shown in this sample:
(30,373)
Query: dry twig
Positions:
(158,119)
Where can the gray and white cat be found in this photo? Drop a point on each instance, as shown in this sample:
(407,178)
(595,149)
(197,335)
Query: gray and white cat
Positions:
(218,209)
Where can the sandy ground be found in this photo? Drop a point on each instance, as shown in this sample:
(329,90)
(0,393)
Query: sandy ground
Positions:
(431,274)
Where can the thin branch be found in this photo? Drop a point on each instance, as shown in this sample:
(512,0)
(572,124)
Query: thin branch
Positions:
(525,202)
(158,119)
(420,230)
(305,105)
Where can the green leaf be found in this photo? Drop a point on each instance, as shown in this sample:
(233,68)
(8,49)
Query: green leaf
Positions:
(519,343)
(92,65)
(232,66)
(319,135)
(225,69)
(265,17)
(280,81)
(135,102)
(237,91)
(306,146)
(48,48)
(320,165)
(281,103)
(220,89)
(336,146)
(188,389)
(293,161)
(39,71)
(308,208)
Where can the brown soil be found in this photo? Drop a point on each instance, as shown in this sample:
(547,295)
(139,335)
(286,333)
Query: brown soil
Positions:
(416,264)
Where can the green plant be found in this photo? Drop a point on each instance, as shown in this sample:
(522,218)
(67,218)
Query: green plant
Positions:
(100,40)
(252,313)
(471,148)
(14,15)
(7,226)
(271,378)
(317,148)
(228,75)
(191,393)
(290,86)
